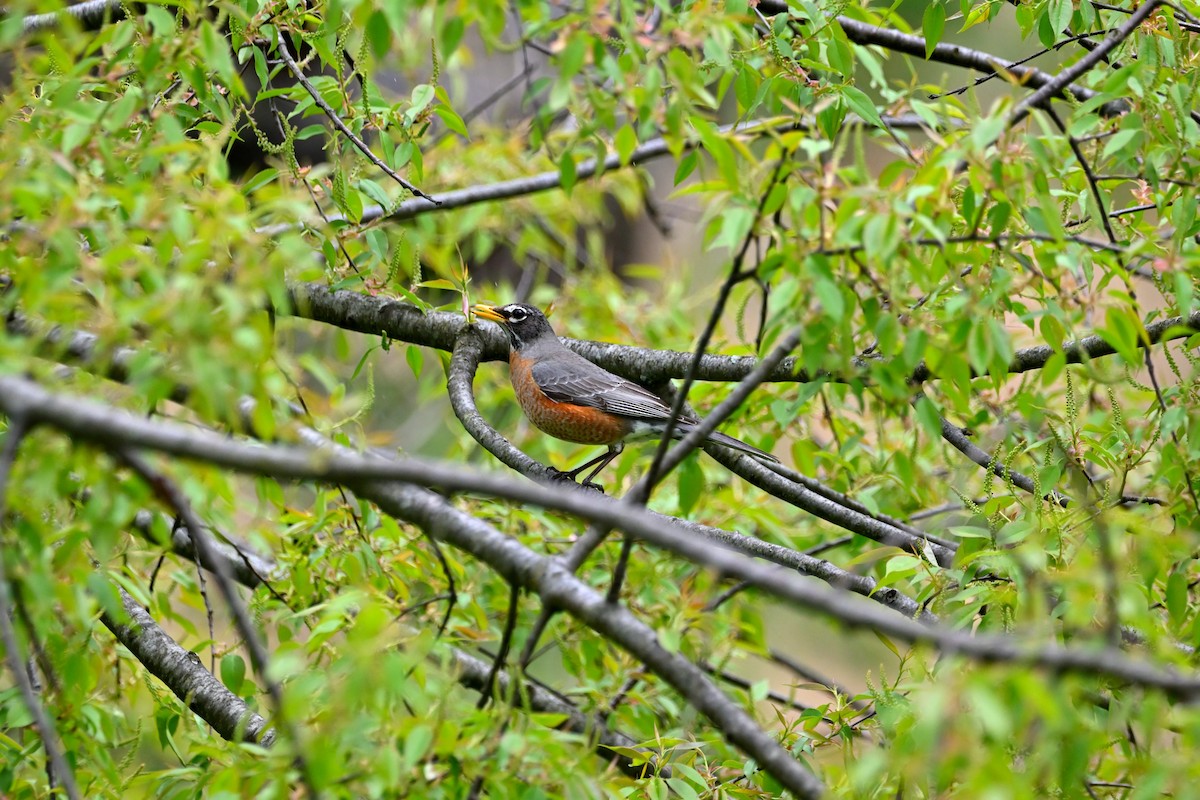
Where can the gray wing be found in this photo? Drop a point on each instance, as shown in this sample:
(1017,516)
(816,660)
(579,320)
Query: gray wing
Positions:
(583,383)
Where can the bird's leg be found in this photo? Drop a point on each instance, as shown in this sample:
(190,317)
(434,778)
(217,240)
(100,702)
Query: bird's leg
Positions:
(599,462)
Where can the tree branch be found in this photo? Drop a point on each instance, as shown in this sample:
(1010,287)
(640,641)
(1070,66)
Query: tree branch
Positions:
(440,329)
(1085,349)
(90,12)
(241,563)
(173,496)
(819,506)
(89,421)
(1065,79)
(957,438)
(552,179)
(56,762)
(955,55)
(184,674)
(358,143)
(464,363)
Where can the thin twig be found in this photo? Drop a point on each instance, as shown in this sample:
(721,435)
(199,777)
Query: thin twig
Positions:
(510,625)
(171,494)
(1068,76)
(958,439)
(358,143)
(56,761)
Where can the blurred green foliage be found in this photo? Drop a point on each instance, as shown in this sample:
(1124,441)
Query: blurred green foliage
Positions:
(953,246)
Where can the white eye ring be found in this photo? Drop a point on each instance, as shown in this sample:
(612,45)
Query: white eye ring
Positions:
(517,315)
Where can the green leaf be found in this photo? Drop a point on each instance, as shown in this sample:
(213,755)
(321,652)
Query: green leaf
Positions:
(233,672)
(452,121)
(448,115)
(1052,332)
(260,179)
(452,34)
(379,34)
(422,96)
(929,417)
(862,105)
(566,169)
(683,789)
(832,302)
(1177,596)
(687,165)
(1121,330)
(625,142)
(932,25)
(691,484)
(416,744)
(1120,140)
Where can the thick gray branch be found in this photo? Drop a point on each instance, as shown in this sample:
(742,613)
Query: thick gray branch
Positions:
(241,563)
(630,517)
(184,674)
(89,12)
(958,56)
(439,329)
(91,421)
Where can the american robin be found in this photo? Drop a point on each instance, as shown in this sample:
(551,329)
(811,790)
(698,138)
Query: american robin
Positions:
(570,398)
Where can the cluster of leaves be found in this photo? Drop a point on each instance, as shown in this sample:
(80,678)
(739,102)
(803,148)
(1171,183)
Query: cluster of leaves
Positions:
(937,246)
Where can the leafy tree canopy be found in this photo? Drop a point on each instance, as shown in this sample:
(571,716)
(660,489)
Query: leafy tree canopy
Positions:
(272,523)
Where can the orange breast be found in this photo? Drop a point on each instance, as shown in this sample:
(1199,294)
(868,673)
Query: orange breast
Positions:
(567,421)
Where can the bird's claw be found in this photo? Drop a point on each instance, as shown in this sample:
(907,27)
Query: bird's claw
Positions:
(570,477)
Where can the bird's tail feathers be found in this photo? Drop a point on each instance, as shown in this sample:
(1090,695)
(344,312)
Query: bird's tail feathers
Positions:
(717,437)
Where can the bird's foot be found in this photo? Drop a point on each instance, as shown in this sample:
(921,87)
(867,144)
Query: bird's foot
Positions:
(572,477)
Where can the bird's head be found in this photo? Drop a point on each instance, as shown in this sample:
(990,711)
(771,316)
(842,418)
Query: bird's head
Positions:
(523,323)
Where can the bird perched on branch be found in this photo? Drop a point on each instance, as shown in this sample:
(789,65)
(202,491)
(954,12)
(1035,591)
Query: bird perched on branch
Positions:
(570,398)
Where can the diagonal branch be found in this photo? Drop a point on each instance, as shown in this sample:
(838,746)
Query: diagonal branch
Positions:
(1065,78)
(358,143)
(953,54)
(88,421)
(184,674)
(18,426)
(957,438)
(822,507)
(552,179)
(174,497)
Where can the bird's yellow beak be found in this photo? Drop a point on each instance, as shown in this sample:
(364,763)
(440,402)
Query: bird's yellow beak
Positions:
(486,312)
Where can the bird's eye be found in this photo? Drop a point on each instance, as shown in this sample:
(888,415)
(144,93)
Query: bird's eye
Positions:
(517,315)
